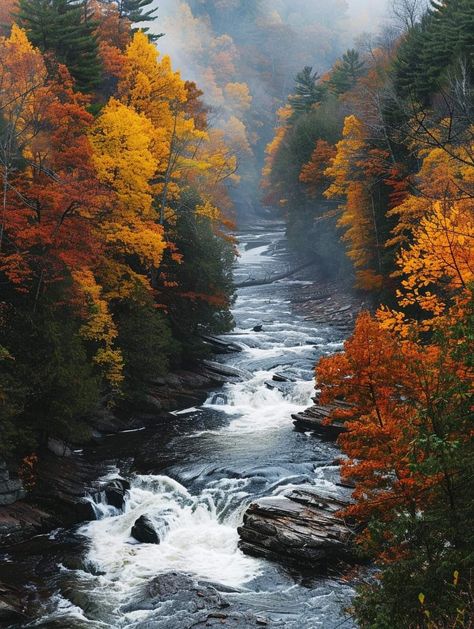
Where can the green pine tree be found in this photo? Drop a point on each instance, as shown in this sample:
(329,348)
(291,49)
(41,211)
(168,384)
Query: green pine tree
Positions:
(307,91)
(346,72)
(65,28)
(138,12)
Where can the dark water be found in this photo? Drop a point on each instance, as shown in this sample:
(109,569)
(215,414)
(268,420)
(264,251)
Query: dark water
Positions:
(239,445)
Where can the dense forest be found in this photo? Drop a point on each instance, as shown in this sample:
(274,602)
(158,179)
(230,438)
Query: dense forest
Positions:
(115,253)
(372,165)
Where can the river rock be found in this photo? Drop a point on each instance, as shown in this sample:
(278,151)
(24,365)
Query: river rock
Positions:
(314,418)
(144,531)
(299,529)
(220,345)
(221,374)
(115,493)
(179,601)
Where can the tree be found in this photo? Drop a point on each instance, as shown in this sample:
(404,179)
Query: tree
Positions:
(122,140)
(66,29)
(313,172)
(409,449)
(7,9)
(137,12)
(346,72)
(407,13)
(307,91)
(349,170)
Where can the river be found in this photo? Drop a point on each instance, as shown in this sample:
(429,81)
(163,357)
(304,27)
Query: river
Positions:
(238,446)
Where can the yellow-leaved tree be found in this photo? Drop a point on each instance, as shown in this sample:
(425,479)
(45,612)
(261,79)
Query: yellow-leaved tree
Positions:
(351,183)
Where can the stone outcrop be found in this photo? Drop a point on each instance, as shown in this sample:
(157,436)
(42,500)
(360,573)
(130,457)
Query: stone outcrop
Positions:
(301,529)
(181,601)
(314,419)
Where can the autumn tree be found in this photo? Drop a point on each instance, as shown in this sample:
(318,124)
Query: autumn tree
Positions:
(348,171)
(313,172)
(409,408)
(7,9)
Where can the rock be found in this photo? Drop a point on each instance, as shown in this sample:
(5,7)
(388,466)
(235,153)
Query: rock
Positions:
(299,529)
(58,447)
(115,493)
(224,373)
(105,421)
(314,418)
(279,377)
(11,607)
(151,404)
(220,345)
(143,531)
(257,328)
(83,510)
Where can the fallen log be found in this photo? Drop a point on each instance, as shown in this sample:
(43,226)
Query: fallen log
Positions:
(274,278)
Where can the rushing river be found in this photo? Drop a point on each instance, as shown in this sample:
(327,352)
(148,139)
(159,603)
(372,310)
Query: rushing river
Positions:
(238,446)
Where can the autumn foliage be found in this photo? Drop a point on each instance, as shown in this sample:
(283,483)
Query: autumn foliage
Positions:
(98,190)
(380,158)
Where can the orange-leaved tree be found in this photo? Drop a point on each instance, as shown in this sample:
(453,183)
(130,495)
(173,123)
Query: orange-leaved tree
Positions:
(406,424)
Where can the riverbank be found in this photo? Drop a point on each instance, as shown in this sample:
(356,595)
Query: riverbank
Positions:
(191,474)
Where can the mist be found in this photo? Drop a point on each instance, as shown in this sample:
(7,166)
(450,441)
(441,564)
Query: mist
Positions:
(245,55)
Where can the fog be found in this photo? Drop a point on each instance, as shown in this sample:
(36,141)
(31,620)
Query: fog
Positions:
(244,55)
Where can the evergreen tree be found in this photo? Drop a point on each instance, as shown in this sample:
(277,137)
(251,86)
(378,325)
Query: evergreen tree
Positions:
(65,28)
(434,49)
(137,12)
(307,91)
(346,72)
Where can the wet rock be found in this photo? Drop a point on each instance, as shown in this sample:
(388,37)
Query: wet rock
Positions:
(258,328)
(59,447)
(178,601)
(279,377)
(11,607)
(300,529)
(143,531)
(83,510)
(115,493)
(221,374)
(220,346)
(20,521)
(314,418)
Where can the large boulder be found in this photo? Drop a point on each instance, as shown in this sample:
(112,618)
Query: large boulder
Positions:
(302,529)
(175,600)
(144,531)
(315,419)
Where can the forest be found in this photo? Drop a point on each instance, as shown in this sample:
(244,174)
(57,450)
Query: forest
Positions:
(115,231)
(372,165)
(122,183)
